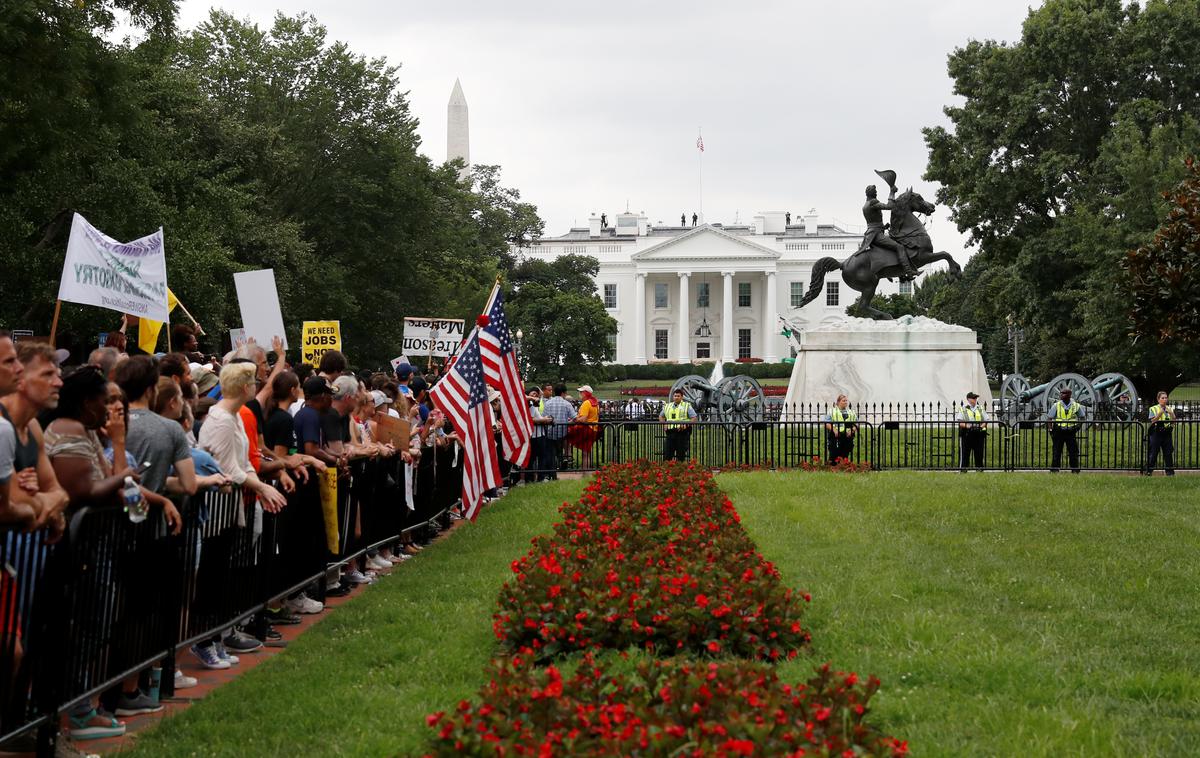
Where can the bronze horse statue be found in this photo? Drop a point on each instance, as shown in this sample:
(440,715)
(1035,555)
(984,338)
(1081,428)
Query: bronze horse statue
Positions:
(862,271)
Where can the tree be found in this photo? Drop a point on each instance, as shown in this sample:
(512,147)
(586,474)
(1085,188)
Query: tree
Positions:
(1164,274)
(565,327)
(1054,164)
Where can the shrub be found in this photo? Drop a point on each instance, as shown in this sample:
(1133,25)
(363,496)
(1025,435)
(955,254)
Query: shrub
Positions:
(665,708)
(652,556)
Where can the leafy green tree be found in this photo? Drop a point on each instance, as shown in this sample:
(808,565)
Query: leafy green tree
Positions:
(1054,163)
(565,327)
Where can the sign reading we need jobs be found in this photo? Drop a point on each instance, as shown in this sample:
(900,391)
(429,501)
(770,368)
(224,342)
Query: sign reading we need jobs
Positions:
(432,336)
(319,338)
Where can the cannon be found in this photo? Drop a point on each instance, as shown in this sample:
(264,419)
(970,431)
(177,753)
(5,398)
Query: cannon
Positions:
(734,399)
(1108,397)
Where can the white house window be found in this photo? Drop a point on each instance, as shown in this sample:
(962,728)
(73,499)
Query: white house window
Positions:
(612,343)
(906,288)
(743,294)
(702,295)
(743,343)
(610,296)
(703,349)
(797,294)
(831,293)
(660,344)
(660,296)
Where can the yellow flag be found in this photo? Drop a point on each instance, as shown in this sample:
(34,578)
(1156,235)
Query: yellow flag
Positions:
(148,330)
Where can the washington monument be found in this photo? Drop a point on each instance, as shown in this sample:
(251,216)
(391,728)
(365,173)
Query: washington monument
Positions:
(458,138)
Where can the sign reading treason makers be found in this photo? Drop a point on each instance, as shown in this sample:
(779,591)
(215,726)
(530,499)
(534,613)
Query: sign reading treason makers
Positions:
(439,337)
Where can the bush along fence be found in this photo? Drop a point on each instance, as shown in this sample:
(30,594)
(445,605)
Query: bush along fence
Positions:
(653,557)
(115,598)
(882,441)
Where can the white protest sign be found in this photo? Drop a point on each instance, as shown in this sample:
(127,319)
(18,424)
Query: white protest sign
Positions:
(432,336)
(127,277)
(259,301)
(237,338)
(397,361)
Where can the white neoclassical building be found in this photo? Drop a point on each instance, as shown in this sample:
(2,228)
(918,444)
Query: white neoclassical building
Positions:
(712,291)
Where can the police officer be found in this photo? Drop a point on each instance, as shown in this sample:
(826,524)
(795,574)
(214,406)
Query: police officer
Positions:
(972,433)
(679,416)
(1064,419)
(1162,419)
(840,428)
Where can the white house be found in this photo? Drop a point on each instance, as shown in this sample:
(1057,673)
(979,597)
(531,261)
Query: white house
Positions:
(712,291)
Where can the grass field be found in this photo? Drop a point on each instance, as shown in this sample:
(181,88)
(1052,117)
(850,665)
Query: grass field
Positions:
(1007,614)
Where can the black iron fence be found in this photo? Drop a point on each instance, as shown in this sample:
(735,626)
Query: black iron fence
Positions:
(883,443)
(114,598)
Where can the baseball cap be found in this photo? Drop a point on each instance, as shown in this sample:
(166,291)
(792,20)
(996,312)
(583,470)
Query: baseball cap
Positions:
(314,386)
(204,379)
(344,387)
(418,384)
(971,396)
(586,388)
(61,356)
(378,398)
(403,371)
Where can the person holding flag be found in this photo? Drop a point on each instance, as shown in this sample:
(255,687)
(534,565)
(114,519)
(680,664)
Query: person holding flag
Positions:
(501,373)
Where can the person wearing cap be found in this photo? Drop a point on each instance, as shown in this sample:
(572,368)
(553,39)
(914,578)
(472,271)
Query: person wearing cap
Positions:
(205,379)
(404,373)
(1162,419)
(585,427)
(1063,419)
(972,433)
(841,424)
(679,416)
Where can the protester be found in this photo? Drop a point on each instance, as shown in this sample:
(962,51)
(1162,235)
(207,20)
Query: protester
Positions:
(151,438)
(541,452)
(106,359)
(561,413)
(585,428)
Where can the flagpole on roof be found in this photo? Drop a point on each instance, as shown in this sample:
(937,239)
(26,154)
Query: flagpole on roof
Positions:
(700,172)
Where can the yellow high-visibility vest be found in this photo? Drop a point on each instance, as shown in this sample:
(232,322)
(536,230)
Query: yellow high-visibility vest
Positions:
(1166,420)
(973,414)
(673,412)
(841,418)
(1066,417)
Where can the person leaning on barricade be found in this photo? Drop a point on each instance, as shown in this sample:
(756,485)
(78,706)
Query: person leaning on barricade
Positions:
(541,454)
(1160,436)
(841,426)
(561,412)
(972,433)
(1063,419)
(679,416)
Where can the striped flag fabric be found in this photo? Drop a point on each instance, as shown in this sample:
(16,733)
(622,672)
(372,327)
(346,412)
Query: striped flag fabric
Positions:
(462,396)
(700,143)
(502,374)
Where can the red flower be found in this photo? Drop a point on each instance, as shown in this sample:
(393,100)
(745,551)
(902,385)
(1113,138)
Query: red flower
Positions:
(714,647)
(701,601)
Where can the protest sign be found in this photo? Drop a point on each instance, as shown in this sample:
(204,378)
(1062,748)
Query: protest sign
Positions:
(319,337)
(237,338)
(393,430)
(432,336)
(398,360)
(259,302)
(127,277)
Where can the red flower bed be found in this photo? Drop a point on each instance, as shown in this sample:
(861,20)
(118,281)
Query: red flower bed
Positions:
(666,708)
(652,556)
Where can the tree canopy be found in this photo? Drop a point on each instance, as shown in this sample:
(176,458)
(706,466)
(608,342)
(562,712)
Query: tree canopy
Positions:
(1054,163)
(253,148)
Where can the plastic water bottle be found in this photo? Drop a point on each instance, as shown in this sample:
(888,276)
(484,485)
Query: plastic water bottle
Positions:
(135,504)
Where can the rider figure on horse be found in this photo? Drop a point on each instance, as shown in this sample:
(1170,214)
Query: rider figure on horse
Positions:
(876,235)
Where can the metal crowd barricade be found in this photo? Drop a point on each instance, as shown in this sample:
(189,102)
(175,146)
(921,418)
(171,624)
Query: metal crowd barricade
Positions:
(114,598)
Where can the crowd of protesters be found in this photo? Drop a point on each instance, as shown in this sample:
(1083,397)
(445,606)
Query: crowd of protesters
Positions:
(182,424)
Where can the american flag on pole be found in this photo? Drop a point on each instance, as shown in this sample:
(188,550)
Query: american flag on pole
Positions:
(462,396)
(502,374)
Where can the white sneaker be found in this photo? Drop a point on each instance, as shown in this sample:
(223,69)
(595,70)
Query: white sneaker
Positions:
(380,563)
(304,604)
(183,682)
(355,577)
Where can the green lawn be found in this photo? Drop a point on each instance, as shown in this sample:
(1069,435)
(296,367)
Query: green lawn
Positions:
(1007,614)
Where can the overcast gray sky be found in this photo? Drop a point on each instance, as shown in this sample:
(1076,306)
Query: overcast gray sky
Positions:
(587,107)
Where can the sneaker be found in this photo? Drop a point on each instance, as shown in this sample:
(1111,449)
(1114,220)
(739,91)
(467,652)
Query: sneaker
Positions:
(272,638)
(224,654)
(380,563)
(240,642)
(304,604)
(183,681)
(395,558)
(339,591)
(355,577)
(284,616)
(93,725)
(136,704)
(209,657)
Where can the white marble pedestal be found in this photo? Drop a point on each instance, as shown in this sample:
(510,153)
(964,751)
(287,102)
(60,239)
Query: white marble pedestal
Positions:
(912,359)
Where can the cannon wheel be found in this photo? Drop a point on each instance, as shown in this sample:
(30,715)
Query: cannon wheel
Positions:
(740,400)
(1120,401)
(1011,404)
(695,392)
(1080,386)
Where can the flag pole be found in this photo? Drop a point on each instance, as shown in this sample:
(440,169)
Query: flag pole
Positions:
(700,162)
(54,323)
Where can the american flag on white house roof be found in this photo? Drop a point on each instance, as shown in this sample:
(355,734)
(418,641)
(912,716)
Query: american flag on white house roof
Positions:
(462,396)
(700,142)
(502,374)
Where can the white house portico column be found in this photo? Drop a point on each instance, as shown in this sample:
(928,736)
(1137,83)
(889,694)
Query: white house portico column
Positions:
(727,339)
(639,318)
(770,319)
(685,332)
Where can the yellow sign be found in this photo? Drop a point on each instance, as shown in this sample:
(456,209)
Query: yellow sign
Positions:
(319,337)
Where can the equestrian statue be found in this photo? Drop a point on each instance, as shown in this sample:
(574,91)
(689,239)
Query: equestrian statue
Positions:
(897,249)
